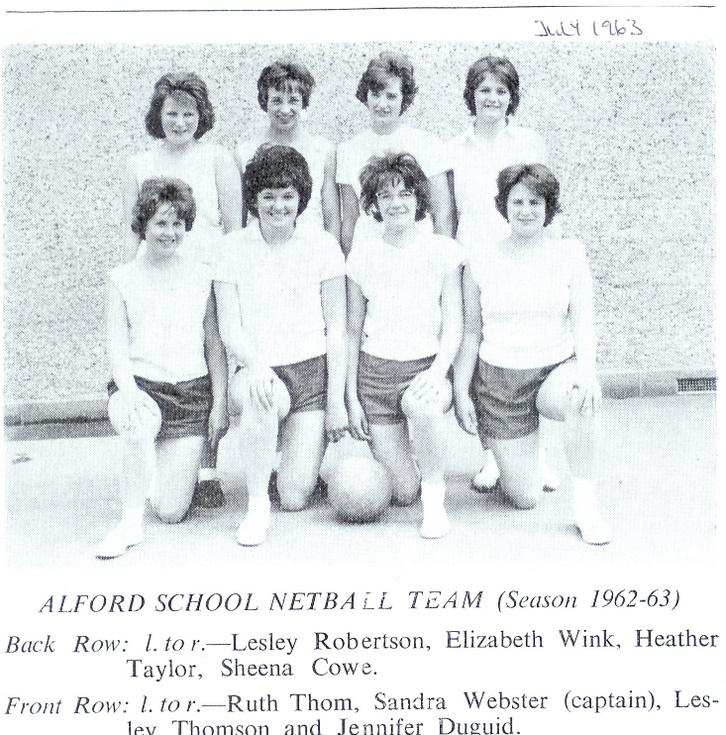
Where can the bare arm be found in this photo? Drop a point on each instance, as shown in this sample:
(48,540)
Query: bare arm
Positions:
(466,358)
(261,377)
(241,165)
(442,209)
(356,317)
(216,358)
(350,211)
(117,333)
(129,194)
(427,384)
(451,183)
(229,191)
(452,318)
(582,321)
(131,400)
(330,197)
(334,312)
(234,337)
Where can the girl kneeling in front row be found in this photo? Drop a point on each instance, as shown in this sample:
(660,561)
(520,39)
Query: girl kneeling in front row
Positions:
(281,303)
(529,317)
(169,387)
(404,328)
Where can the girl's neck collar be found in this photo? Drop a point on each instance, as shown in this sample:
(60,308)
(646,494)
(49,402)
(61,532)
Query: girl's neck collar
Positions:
(399,239)
(489,131)
(388,128)
(176,150)
(277,137)
(275,237)
(159,262)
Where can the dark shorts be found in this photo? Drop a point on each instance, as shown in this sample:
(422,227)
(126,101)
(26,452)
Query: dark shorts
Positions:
(382,383)
(306,382)
(184,406)
(506,399)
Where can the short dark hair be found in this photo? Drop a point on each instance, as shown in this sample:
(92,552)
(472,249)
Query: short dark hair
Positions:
(537,178)
(282,75)
(277,167)
(157,192)
(503,69)
(388,64)
(174,84)
(380,171)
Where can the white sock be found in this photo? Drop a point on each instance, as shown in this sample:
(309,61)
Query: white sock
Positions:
(253,529)
(547,475)
(151,490)
(488,475)
(207,473)
(594,529)
(435,521)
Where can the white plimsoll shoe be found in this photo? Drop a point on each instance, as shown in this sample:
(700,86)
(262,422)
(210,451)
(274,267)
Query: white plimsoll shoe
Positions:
(119,540)
(435,523)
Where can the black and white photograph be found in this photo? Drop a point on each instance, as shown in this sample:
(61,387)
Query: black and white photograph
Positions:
(362,342)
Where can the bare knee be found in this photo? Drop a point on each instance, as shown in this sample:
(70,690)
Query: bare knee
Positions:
(294,494)
(169,513)
(420,411)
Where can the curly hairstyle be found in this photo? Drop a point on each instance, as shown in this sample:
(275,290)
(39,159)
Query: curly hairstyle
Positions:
(276,167)
(390,169)
(157,192)
(503,69)
(537,178)
(388,64)
(285,74)
(173,85)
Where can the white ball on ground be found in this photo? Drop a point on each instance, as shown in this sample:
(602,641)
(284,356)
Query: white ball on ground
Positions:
(359,489)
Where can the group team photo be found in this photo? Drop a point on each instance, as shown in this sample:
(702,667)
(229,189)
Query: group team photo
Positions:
(365,271)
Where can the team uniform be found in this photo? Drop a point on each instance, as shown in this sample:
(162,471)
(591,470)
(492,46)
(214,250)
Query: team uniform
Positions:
(279,292)
(476,165)
(315,150)
(402,327)
(196,168)
(166,342)
(526,334)
(353,155)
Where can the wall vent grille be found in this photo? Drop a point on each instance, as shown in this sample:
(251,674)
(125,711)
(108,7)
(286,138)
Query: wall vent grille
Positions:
(696,385)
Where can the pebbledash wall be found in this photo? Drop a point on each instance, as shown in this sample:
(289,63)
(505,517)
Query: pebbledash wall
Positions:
(630,127)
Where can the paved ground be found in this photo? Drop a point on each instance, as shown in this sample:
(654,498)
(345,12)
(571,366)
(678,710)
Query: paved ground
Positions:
(658,488)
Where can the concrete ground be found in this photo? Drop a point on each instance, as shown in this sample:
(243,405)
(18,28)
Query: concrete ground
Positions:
(657,484)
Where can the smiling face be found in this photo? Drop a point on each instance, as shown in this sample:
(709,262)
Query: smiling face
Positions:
(284,108)
(179,118)
(277,208)
(491,99)
(385,104)
(397,206)
(164,232)
(526,211)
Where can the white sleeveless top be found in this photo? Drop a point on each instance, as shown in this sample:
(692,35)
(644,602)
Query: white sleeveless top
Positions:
(166,318)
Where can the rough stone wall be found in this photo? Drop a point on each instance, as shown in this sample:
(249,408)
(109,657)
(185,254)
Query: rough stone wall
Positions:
(630,127)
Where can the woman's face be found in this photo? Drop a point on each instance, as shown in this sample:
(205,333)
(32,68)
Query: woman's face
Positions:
(277,208)
(526,211)
(385,104)
(164,232)
(284,108)
(179,119)
(491,99)
(397,206)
